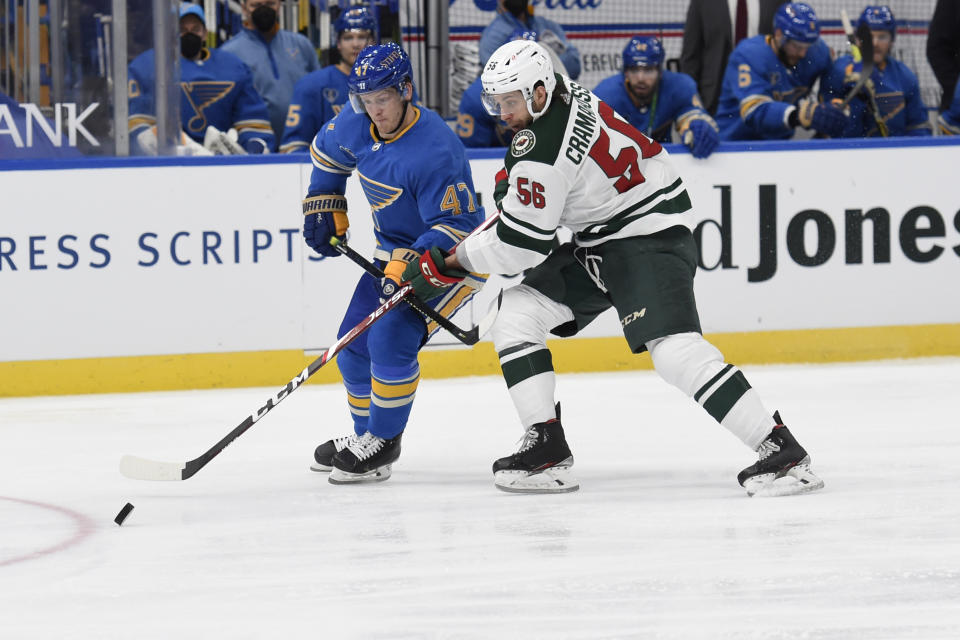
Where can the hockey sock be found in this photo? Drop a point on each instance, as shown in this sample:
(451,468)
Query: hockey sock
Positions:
(528,372)
(732,402)
(696,367)
(355,371)
(393,390)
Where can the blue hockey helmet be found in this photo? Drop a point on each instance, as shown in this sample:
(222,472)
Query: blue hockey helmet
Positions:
(356,19)
(797,21)
(879,18)
(379,66)
(524,33)
(643,51)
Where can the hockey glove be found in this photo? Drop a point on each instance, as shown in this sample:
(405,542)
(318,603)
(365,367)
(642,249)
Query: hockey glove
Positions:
(822,117)
(702,137)
(222,143)
(430,277)
(550,39)
(393,272)
(851,76)
(324,217)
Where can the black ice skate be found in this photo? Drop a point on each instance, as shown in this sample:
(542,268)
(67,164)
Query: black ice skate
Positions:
(323,456)
(781,456)
(365,459)
(541,465)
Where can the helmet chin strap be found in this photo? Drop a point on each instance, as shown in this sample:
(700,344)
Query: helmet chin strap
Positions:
(536,115)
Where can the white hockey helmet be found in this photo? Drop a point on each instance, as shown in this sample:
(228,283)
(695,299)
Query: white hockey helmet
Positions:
(518,65)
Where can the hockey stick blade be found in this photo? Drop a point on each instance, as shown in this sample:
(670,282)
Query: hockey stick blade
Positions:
(139,468)
(865,49)
(865,38)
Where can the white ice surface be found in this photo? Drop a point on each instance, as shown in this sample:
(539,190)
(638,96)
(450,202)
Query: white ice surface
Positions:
(660,542)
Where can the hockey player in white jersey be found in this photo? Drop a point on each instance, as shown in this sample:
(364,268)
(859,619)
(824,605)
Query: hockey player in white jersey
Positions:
(575,163)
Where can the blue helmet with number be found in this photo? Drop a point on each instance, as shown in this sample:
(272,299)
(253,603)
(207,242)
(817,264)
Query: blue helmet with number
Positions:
(379,66)
(643,51)
(356,19)
(879,18)
(797,21)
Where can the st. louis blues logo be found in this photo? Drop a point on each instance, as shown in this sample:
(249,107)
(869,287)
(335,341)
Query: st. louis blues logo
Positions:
(379,195)
(200,95)
(331,95)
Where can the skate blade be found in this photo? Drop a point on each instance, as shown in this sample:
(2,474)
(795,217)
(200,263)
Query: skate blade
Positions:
(553,480)
(379,474)
(320,468)
(799,479)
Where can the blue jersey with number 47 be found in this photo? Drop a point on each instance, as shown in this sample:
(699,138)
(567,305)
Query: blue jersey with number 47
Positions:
(419,185)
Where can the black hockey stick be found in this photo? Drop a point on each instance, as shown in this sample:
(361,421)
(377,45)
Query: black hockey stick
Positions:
(144,469)
(466,336)
(863,50)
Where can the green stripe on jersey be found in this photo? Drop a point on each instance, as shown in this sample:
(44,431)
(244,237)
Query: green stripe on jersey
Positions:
(680,203)
(509,235)
(526,225)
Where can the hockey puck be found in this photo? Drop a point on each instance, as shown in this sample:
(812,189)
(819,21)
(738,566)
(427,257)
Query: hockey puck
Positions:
(127,508)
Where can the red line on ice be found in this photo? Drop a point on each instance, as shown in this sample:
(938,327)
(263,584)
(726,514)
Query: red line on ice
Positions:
(84,527)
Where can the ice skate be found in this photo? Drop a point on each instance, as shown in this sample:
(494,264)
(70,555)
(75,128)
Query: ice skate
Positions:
(783,468)
(323,456)
(365,459)
(541,465)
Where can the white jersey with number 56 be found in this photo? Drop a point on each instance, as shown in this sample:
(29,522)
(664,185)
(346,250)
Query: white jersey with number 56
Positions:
(581,166)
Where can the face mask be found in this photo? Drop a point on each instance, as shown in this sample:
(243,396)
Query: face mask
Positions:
(516,7)
(264,18)
(190,44)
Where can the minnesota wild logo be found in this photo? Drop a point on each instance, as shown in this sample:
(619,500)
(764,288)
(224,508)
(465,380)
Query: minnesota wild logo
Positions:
(523,141)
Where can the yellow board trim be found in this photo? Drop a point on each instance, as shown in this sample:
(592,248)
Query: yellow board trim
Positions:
(275,368)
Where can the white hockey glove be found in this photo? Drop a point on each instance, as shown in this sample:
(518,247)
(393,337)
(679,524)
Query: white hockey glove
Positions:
(147,141)
(222,144)
(552,40)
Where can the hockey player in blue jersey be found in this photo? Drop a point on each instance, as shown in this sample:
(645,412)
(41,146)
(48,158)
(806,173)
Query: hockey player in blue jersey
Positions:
(319,95)
(653,100)
(216,90)
(766,86)
(895,89)
(475,126)
(418,183)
